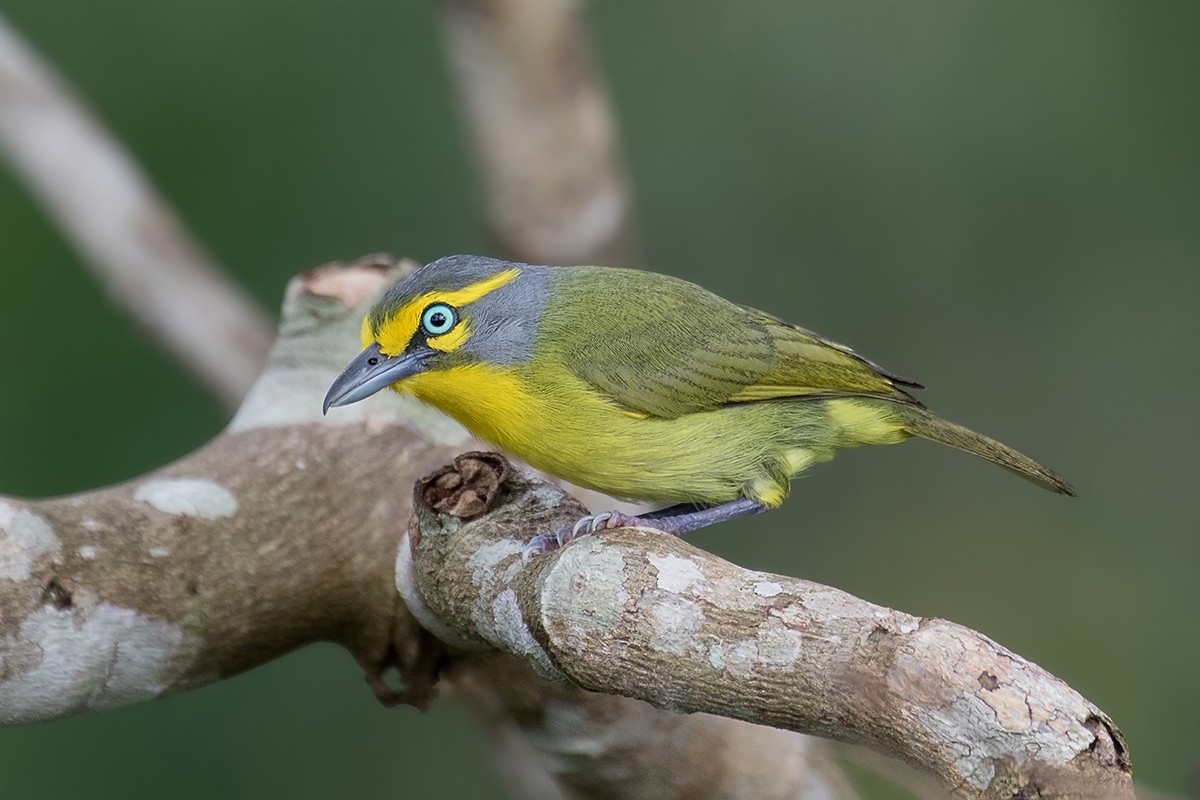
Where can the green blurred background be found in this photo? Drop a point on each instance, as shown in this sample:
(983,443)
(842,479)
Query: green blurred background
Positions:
(998,199)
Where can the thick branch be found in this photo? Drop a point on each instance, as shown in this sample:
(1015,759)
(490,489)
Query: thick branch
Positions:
(122,229)
(281,532)
(540,119)
(600,746)
(284,531)
(648,616)
(556,191)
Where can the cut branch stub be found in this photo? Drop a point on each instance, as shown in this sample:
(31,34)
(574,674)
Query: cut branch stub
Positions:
(467,488)
(640,614)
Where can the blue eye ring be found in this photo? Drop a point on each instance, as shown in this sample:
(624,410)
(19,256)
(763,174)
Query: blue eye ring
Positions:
(438,319)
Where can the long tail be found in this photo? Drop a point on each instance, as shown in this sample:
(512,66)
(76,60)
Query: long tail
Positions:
(924,423)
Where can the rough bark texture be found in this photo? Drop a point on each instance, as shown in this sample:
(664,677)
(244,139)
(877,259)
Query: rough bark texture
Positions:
(288,529)
(285,530)
(650,617)
(138,251)
(259,543)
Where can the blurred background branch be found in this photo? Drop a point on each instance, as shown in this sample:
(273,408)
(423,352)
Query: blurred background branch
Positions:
(606,746)
(543,128)
(136,247)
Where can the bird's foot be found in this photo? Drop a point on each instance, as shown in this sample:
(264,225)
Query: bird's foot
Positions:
(676,520)
(592,523)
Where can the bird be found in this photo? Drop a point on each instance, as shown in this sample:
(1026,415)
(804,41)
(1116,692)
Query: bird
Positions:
(640,385)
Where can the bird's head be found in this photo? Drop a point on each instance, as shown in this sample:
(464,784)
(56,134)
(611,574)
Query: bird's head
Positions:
(452,312)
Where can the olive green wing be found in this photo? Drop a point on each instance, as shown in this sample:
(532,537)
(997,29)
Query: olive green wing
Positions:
(652,344)
(659,346)
(807,363)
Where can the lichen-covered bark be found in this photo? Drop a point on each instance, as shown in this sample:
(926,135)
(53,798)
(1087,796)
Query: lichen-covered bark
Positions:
(648,616)
(286,530)
(279,533)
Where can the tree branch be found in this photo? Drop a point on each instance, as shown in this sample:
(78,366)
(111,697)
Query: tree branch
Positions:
(556,192)
(543,130)
(599,745)
(228,558)
(283,531)
(122,229)
(648,616)
(280,532)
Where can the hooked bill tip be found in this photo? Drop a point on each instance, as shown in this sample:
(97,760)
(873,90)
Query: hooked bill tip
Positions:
(329,403)
(331,398)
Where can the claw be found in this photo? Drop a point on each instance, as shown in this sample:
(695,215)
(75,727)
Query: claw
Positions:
(584,526)
(600,521)
(542,543)
(676,521)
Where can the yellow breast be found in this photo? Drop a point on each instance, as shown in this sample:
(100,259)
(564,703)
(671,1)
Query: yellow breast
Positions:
(492,402)
(565,428)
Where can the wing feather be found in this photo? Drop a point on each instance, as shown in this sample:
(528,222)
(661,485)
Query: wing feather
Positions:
(679,349)
(809,364)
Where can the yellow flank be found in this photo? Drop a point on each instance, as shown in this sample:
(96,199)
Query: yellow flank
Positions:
(867,422)
(768,492)
(394,335)
(562,426)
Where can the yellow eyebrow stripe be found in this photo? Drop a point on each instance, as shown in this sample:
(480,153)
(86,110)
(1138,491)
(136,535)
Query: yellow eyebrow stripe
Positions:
(394,335)
(469,294)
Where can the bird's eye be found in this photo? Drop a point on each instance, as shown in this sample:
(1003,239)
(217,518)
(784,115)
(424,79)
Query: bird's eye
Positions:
(439,318)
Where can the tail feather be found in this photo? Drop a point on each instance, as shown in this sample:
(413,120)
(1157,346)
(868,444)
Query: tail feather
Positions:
(924,423)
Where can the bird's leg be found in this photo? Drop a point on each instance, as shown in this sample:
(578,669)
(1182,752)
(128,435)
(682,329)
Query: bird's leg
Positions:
(675,520)
(685,518)
(670,511)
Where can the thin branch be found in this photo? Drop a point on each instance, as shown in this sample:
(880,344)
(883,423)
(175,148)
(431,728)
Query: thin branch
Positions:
(543,129)
(650,617)
(122,229)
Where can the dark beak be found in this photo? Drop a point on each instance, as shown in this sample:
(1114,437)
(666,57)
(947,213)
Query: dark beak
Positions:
(371,371)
